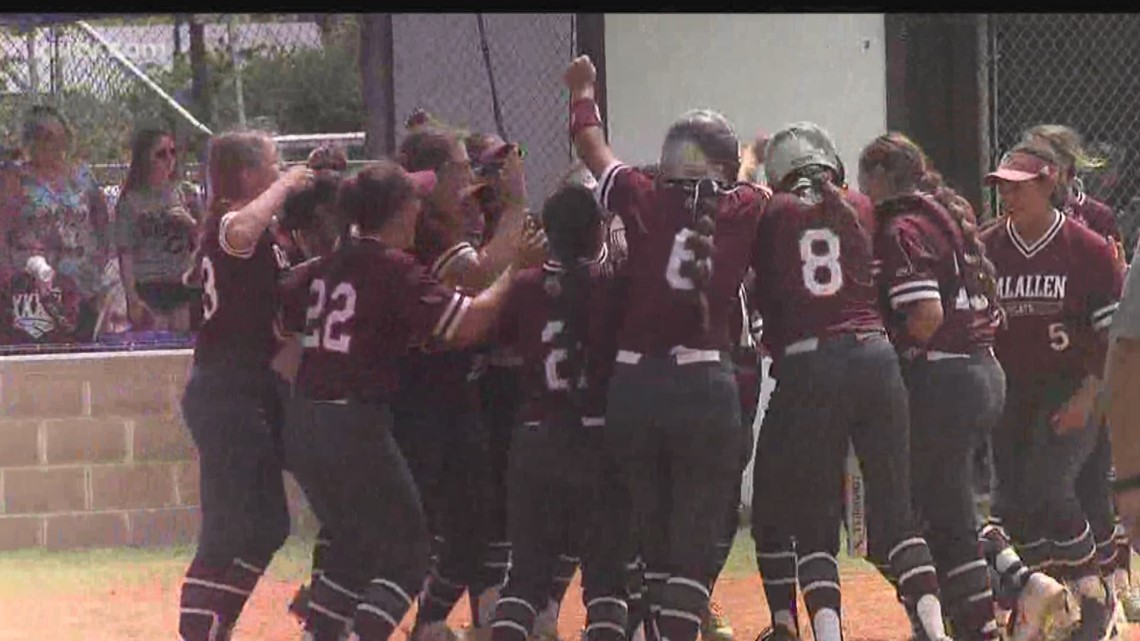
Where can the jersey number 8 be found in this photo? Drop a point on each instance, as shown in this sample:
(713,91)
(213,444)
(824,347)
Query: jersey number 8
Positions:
(822,273)
(332,335)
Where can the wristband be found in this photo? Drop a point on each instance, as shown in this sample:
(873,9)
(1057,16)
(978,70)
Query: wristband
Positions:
(1125,485)
(584,113)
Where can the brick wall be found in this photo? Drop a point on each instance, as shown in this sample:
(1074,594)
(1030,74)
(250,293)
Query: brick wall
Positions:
(93,452)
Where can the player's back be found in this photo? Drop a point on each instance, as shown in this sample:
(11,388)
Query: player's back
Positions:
(662,312)
(814,271)
(533,326)
(355,324)
(923,255)
(239,298)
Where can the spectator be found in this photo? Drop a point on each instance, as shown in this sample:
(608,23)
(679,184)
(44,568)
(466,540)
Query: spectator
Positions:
(155,224)
(52,207)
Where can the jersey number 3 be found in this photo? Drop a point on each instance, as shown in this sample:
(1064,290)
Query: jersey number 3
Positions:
(330,335)
(819,251)
(209,289)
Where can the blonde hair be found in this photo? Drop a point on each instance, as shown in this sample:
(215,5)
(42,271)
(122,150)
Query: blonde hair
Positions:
(1068,145)
(231,153)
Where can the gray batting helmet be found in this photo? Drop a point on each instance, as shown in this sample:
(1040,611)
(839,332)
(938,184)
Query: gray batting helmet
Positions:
(700,144)
(799,145)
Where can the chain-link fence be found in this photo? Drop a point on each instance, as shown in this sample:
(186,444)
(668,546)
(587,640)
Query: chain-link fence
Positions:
(1081,70)
(290,74)
(447,76)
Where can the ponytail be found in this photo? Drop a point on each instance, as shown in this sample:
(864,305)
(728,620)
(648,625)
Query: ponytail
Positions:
(979,274)
(907,169)
(706,199)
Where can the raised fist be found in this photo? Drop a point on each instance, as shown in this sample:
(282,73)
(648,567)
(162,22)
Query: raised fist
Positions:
(580,73)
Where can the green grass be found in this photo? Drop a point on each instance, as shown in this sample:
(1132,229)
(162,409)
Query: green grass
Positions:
(37,571)
(742,559)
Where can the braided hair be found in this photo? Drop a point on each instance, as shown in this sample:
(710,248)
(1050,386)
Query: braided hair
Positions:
(574,227)
(907,168)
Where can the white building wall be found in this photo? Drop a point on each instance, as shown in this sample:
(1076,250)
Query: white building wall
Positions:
(761,70)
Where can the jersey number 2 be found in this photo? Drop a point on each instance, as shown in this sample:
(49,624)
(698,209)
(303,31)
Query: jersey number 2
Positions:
(332,335)
(817,265)
(554,381)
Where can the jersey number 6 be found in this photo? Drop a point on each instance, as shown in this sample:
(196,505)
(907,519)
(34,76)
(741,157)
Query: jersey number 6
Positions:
(332,335)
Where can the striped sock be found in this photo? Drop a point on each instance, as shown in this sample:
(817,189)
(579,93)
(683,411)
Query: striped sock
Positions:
(819,582)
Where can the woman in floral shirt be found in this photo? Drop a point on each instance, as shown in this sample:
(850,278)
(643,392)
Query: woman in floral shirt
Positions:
(53,207)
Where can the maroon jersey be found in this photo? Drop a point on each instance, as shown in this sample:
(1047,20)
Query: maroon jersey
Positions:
(1059,294)
(813,281)
(661,314)
(529,328)
(443,373)
(1093,214)
(367,304)
(922,251)
(239,297)
(32,317)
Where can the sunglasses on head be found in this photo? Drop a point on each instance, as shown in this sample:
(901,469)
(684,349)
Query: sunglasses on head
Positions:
(492,167)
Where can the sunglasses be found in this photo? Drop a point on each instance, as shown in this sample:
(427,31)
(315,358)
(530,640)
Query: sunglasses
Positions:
(166,152)
(493,167)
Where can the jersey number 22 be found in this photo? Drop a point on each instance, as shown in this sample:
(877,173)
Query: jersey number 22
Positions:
(331,335)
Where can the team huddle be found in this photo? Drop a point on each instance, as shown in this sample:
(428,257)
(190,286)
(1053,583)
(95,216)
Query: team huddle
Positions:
(477,398)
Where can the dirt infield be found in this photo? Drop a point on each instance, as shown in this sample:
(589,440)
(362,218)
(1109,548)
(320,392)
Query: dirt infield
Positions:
(149,611)
(133,596)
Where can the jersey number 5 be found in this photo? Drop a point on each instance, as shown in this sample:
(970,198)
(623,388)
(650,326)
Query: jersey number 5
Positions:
(332,335)
(1058,337)
(822,273)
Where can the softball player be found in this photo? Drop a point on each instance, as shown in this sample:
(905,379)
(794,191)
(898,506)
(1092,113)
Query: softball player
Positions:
(1059,285)
(437,413)
(368,301)
(232,392)
(837,382)
(674,416)
(942,296)
(1094,483)
(561,320)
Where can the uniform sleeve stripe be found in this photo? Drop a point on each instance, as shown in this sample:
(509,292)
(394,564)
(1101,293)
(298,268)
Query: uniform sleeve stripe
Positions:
(1107,310)
(225,245)
(913,284)
(449,257)
(457,318)
(602,192)
(1102,317)
(448,312)
(903,299)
